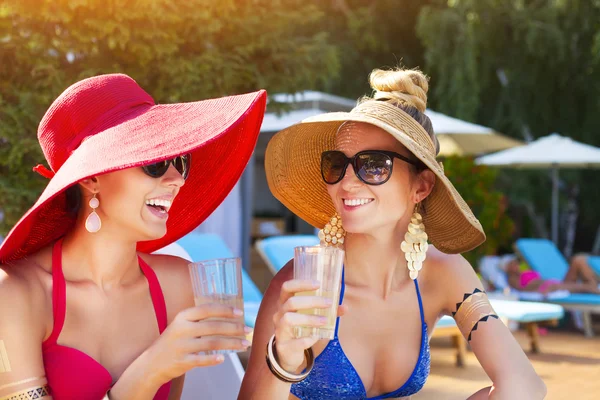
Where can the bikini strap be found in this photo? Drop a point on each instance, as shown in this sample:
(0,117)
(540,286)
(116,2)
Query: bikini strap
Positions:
(158,299)
(59,300)
(420,303)
(342,291)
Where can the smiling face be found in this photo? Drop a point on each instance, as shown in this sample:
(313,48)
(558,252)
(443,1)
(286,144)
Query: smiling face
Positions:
(367,208)
(132,204)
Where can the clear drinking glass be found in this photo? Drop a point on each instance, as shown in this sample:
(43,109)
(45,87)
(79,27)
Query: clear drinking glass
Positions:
(218,281)
(322,264)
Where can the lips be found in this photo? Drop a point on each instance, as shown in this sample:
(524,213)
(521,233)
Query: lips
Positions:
(158,212)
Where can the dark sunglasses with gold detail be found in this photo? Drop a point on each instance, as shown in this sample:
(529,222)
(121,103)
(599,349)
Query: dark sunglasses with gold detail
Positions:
(373,167)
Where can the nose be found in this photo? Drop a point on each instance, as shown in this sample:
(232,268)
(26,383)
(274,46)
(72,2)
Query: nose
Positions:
(173,178)
(350,181)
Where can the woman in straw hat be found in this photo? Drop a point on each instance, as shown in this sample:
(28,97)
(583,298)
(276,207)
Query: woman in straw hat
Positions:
(370,179)
(84,308)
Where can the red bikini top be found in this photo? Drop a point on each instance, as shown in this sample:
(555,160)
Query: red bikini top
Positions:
(71,373)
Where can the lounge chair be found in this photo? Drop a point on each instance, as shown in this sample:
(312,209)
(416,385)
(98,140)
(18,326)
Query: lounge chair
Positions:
(276,251)
(541,255)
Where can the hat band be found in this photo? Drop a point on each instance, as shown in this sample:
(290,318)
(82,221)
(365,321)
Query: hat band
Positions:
(43,171)
(399,119)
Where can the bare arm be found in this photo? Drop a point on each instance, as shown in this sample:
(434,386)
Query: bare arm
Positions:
(259,382)
(278,315)
(138,382)
(492,342)
(176,351)
(21,334)
(180,348)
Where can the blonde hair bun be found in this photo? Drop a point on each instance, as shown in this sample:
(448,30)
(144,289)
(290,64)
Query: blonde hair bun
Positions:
(401,87)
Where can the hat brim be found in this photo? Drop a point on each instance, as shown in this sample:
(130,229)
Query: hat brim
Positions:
(220,134)
(292,164)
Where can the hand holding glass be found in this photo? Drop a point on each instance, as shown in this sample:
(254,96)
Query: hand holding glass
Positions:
(218,281)
(324,265)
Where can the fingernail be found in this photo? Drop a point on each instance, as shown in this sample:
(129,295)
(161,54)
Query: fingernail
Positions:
(316,283)
(328,301)
(323,320)
(238,312)
(247,329)
(220,358)
(246,343)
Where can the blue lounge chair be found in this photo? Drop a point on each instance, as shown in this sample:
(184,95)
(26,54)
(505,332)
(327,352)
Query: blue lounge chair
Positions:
(276,251)
(541,255)
(202,246)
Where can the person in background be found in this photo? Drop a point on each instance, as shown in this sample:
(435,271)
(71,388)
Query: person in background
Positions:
(580,278)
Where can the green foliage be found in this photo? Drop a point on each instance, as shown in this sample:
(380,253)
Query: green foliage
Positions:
(547,49)
(477,185)
(371,34)
(549,53)
(176,50)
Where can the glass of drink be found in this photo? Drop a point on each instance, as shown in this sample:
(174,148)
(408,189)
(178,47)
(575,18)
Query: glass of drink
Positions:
(218,281)
(322,264)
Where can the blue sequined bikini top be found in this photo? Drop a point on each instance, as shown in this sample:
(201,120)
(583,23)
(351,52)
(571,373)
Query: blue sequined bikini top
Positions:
(334,378)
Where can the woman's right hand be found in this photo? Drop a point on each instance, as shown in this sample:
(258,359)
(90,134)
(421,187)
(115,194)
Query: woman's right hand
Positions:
(179,348)
(290,350)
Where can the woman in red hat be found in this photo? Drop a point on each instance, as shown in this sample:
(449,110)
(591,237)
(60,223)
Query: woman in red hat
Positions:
(85,311)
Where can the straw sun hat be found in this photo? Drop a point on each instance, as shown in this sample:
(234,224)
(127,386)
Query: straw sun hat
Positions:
(293,157)
(109,123)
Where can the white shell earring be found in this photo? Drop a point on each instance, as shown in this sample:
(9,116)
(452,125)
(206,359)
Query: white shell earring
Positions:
(415,244)
(333,233)
(93,222)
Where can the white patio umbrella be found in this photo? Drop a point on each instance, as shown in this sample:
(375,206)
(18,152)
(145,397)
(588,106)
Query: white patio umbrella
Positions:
(458,137)
(552,151)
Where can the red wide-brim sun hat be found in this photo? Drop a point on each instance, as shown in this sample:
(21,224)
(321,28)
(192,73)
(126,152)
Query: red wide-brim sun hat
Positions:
(109,123)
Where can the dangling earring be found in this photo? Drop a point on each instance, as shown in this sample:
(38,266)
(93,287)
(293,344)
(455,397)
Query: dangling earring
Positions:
(93,222)
(415,244)
(333,234)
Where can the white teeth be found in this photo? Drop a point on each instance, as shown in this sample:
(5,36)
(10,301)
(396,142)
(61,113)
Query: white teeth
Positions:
(166,204)
(356,202)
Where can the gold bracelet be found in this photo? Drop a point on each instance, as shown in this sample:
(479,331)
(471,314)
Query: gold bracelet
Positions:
(281,373)
(474,308)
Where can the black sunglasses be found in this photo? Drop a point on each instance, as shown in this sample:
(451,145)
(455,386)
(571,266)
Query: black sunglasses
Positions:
(373,167)
(181,163)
